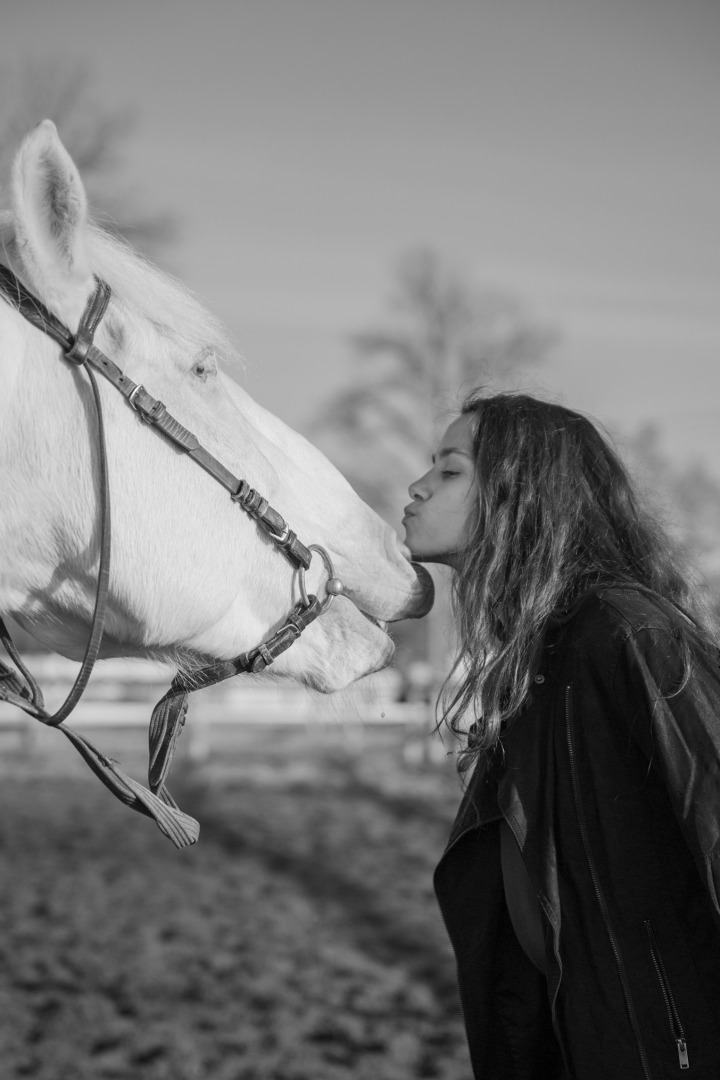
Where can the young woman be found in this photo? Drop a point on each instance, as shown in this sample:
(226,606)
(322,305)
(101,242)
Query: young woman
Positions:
(580,883)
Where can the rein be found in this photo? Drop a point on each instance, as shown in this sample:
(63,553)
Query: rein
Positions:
(17,685)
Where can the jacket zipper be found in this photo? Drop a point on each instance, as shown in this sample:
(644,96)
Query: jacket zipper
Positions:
(670,1006)
(629,1005)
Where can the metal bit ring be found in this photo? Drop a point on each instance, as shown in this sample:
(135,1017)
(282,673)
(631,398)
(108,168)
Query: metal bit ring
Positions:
(333,587)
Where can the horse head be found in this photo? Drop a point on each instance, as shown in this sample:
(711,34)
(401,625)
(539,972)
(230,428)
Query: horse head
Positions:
(192,577)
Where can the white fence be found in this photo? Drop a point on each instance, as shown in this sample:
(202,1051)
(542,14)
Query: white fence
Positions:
(121,695)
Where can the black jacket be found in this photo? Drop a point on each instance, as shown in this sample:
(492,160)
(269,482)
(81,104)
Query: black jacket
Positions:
(610,782)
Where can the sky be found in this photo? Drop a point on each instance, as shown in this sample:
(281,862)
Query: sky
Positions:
(564,151)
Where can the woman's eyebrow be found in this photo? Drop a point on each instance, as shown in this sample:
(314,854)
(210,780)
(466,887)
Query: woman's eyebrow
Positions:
(448,450)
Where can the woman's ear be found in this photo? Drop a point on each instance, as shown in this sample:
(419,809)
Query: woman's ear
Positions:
(51,216)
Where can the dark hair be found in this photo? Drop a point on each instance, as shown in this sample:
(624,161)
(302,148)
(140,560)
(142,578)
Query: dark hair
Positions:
(555,513)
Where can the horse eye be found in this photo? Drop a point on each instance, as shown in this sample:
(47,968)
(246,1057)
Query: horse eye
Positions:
(205,366)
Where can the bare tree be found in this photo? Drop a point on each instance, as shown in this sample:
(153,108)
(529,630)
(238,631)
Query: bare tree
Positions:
(689,499)
(94,134)
(442,339)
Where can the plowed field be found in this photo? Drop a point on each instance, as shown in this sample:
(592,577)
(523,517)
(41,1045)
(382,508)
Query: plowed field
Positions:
(299,940)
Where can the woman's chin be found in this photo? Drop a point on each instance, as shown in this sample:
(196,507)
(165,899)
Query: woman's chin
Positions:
(418,555)
(409,539)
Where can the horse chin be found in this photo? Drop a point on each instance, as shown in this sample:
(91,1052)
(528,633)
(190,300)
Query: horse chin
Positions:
(337,650)
(384,607)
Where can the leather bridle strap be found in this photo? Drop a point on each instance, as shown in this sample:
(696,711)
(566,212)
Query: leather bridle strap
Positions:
(76,351)
(169,714)
(19,687)
(154,412)
(25,694)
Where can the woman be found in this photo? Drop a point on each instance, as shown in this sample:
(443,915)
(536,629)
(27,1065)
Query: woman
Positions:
(580,883)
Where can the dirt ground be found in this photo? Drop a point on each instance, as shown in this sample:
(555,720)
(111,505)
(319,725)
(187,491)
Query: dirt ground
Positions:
(299,940)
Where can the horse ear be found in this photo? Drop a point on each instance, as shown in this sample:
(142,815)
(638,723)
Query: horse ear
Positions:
(50,212)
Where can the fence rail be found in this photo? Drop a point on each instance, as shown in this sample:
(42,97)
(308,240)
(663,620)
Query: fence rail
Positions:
(121,695)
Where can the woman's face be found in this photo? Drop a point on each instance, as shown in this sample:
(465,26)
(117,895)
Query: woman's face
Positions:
(435,519)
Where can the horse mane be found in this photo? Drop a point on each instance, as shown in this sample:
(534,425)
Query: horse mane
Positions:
(155,294)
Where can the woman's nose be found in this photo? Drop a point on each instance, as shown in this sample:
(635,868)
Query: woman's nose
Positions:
(417,489)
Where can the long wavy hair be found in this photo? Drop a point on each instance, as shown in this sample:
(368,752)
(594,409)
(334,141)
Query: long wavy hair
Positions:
(554,513)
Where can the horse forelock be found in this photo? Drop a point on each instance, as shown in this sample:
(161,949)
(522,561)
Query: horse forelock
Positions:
(154,294)
(145,290)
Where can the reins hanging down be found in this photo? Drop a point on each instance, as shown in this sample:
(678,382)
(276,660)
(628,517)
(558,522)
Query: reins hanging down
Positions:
(17,685)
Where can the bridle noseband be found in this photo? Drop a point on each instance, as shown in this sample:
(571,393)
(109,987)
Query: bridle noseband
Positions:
(18,686)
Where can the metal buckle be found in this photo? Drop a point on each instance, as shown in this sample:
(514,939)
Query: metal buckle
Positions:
(137,390)
(282,539)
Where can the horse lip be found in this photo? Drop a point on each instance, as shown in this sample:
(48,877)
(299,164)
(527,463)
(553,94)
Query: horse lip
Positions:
(380,623)
(422,598)
(416,605)
(426,599)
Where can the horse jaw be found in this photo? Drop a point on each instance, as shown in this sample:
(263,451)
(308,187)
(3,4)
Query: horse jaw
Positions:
(329,656)
(334,653)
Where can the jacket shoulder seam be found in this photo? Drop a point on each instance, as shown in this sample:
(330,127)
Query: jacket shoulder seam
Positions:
(658,623)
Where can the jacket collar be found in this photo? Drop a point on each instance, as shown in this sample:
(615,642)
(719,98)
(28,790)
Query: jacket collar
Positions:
(563,615)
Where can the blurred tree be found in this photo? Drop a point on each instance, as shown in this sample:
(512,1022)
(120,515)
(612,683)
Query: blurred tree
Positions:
(94,134)
(688,498)
(442,340)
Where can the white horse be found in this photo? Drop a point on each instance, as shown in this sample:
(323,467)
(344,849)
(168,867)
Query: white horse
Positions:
(192,576)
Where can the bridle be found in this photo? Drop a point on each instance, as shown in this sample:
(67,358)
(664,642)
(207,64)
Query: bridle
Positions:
(18,686)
